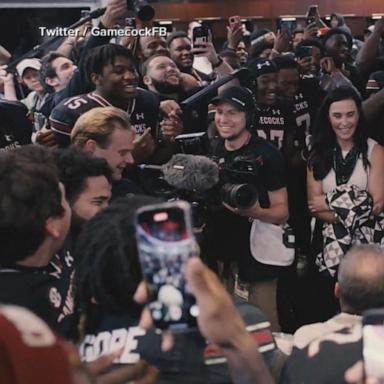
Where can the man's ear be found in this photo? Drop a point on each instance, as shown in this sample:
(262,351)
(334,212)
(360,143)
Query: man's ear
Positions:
(337,290)
(52,228)
(52,81)
(147,80)
(90,146)
(96,78)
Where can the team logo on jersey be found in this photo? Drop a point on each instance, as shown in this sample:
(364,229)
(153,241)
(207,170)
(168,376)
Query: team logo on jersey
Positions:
(55,297)
(140,116)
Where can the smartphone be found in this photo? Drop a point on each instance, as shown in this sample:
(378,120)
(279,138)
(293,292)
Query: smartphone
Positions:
(233,21)
(312,14)
(165,242)
(130,22)
(373,343)
(304,51)
(287,26)
(200,35)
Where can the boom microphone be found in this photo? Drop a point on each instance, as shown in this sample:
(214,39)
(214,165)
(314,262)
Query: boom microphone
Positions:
(189,172)
(242,74)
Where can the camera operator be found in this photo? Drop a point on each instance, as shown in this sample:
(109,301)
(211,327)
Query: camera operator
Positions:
(228,230)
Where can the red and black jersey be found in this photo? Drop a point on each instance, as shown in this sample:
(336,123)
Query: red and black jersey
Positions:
(143,112)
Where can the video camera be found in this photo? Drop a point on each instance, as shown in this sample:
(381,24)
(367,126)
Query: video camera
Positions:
(206,183)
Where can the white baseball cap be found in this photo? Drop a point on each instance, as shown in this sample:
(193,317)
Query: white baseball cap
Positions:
(28,63)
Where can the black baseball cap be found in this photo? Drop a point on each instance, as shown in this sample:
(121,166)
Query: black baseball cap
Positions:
(259,67)
(240,97)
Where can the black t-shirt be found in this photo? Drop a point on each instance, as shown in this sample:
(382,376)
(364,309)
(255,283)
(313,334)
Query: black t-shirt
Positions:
(15,127)
(46,291)
(144,113)
(228,233)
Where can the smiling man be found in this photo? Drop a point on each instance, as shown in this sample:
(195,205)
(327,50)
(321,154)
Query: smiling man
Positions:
(229,228)
(112,69)
(106,133)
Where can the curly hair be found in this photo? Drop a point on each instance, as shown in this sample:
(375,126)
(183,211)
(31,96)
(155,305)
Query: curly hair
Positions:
(103,55)
(324,139)
(108,271)
(75,166)
(29,195)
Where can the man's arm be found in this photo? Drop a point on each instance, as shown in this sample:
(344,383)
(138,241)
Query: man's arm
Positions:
(221,324)
(374,105)
(366,58)
(277,213)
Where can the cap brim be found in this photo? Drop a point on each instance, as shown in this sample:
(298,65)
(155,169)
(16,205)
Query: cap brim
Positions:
(218,100)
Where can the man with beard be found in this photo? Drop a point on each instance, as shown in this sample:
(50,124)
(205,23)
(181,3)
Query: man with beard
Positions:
(112,69)
(163,78)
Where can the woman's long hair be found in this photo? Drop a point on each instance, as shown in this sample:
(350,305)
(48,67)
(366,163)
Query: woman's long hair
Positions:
(324,138)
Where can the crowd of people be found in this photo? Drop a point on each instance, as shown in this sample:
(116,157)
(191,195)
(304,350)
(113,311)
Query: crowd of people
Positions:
(283,277)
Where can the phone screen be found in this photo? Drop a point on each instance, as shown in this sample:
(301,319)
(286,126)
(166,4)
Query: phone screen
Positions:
(373,343)
(165,242)
(311,14)
(287,26)
(200,35)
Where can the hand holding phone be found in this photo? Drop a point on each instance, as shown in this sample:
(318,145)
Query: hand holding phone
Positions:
(200,34)
(312,14)
(234,22)
(165,242)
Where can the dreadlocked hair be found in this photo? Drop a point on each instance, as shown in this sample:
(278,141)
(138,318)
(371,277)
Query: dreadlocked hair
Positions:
(101,56)
(108,270)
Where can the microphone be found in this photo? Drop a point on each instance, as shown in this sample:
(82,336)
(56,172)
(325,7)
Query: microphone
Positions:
(189,172)
(242,74)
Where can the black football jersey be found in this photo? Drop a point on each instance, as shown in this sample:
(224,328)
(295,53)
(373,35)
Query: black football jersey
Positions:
(274,122)
(307,102)
(15,127)
(143,112)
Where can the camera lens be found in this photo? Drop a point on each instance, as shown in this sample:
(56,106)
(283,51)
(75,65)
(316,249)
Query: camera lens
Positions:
(240,196)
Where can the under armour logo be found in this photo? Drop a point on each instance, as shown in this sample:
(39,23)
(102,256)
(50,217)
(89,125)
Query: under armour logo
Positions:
(276,112)
(265,64)
(139,116)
